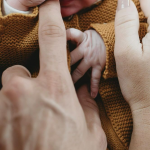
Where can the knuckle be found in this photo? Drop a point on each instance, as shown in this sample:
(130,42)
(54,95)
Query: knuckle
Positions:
(95,81)
(94,87)
(50,30)
(87,39)
(68,33)
(72,31)
(16,81)
(12,90)
(52,83)
(78,72)
(87,45)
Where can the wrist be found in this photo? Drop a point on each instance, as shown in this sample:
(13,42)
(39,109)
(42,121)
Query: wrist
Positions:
(16,4)
(141,129)
(140,137)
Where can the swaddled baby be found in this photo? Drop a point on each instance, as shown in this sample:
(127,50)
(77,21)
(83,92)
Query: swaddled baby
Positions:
(90,46)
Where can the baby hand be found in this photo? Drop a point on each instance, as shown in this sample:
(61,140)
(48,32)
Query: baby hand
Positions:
(24,5)
(91,49)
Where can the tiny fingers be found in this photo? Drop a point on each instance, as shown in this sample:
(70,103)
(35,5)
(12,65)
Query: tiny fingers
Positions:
(80,70)
(76,55)
(75,35)
(95,79)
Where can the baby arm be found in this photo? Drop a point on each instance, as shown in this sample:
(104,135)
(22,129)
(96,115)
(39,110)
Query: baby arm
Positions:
(91,49)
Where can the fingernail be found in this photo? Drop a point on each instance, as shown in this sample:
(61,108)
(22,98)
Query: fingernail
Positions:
(123,4)
(93,94)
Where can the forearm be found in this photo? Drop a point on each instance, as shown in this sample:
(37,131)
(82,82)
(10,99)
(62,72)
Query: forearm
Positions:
(141,130)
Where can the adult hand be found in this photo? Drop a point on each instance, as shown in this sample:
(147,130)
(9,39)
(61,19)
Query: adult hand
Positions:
(132,60)
(45,112)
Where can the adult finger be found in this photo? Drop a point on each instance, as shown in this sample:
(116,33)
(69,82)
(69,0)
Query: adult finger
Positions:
(54,71)
(14,71)
(145,5)
(80,70)
(126,29)
(95,79)
(91,112)
(52,38)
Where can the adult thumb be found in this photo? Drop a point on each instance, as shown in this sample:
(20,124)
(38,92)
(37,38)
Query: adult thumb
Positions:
(89,107)
(92,117)
(126,28)
(14,71)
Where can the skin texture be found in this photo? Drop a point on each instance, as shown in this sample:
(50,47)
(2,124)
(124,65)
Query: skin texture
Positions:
(24,5)
(132,62)
(32,109)
(90,45)
(91,49)
(46,112)
(68,7)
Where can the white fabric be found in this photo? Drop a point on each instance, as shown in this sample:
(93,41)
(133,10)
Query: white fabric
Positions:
(97,1)
(6,9)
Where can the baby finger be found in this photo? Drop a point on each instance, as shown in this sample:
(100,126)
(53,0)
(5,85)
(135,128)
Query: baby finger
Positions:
(95,79)
(75,35)
(76,55)
(80,70)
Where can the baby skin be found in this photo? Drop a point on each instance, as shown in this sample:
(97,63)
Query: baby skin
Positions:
(90,48)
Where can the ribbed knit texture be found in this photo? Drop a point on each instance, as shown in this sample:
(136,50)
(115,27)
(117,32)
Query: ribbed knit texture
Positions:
(19,45)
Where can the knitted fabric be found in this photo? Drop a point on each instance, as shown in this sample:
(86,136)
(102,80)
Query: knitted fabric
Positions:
(19,45)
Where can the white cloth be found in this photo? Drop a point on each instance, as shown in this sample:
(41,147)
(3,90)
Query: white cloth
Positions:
(6,9)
